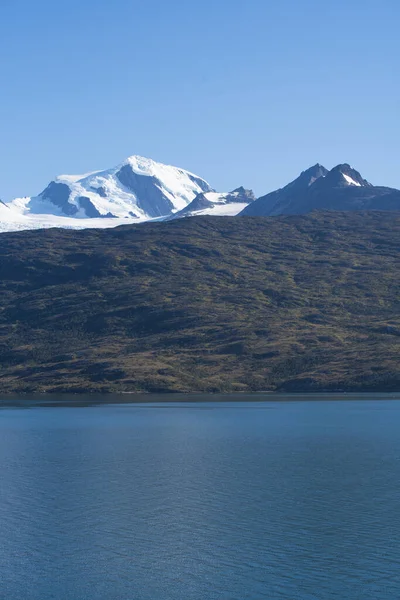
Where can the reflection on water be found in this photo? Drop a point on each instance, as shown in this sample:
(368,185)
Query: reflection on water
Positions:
(200,501)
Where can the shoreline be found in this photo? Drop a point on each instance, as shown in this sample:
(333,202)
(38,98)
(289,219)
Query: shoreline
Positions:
(103,399)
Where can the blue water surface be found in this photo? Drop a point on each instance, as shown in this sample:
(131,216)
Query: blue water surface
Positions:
(200,500)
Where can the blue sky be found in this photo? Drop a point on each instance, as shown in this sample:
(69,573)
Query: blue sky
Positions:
(242,93)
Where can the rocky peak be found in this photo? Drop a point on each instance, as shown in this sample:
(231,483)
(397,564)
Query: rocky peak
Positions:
(344,175)
(241,194)
(308,177)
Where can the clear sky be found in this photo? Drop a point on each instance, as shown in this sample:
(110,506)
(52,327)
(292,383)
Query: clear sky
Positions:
(240,92)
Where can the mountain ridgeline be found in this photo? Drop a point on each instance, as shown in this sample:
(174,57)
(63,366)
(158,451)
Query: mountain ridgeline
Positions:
(140,190)
(139,187)
(342,188)
(209,304)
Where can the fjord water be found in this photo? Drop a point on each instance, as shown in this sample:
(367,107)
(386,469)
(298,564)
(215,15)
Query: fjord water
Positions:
(168,501)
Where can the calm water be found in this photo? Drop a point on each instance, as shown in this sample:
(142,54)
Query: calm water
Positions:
(294,500)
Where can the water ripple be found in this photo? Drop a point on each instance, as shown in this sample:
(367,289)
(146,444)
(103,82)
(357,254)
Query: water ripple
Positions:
(208,502)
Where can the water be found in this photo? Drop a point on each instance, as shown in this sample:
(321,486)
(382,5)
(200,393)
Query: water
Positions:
(260,500)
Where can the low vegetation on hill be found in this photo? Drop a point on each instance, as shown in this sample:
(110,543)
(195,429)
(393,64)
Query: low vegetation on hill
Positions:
(211,304)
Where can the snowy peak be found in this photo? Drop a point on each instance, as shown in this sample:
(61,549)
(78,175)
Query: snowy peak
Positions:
(214,203)
(139,188)
(160,189)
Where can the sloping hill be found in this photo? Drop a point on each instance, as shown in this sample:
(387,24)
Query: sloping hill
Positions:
(204,304)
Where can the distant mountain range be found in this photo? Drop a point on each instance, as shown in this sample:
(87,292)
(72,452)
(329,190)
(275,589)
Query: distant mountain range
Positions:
(140,189)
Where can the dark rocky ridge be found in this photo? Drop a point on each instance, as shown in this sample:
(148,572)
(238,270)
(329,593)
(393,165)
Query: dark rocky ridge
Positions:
(320,189)
(150,197)
(299,303)
(59,194)
(241,194)
(90,209)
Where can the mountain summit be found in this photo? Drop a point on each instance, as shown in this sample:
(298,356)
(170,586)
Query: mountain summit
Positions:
(139,188)
(344,175)
(307,178)
(276,203)
(342,188)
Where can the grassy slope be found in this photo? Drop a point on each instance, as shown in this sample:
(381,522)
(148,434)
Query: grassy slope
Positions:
(204,304)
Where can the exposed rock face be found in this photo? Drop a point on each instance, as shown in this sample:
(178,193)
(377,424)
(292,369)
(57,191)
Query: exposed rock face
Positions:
(90,209)
(241,195)
(59,195)
(199,203)
(150,199)
(101,191)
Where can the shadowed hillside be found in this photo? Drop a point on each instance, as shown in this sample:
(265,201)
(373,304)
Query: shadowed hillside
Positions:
(208,304)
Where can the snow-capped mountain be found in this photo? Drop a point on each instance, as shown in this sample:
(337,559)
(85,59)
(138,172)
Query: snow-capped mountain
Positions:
(342,188)
(138,189)
(212,203)
(141,189)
